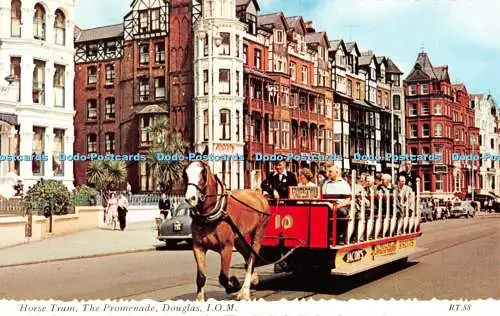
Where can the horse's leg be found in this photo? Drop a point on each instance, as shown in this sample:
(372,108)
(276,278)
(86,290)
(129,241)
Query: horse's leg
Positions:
(244,293)
(243,250)
(199,255)
(231,284)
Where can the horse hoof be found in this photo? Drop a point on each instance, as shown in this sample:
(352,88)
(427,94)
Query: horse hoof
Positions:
(243,296)
(200,298)
(234,285)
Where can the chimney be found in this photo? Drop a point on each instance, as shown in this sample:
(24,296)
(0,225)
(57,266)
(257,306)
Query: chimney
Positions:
(309,27)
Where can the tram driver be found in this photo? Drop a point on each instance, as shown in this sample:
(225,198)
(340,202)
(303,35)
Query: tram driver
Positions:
(336,185)
(276,184)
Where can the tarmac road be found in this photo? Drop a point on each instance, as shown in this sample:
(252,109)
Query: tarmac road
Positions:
(461,261)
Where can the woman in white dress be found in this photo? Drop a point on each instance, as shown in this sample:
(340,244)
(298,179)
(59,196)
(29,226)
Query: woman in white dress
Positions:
(305,178)
(112,211)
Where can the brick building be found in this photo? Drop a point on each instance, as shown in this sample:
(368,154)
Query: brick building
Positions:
(129,76)
(440,120)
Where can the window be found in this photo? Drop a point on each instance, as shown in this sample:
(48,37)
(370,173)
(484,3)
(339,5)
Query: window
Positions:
(427,182)
(226,173)
(304,74)
(92,50)
(425,108)
(245,54)
(91,76)
(237,46)
(425,130)
(57,149)
(438,130)
(225,47)
(15,18)
(358,91)
(293,71)
(159,53)
(457,182)
(237,126)
(257,59)
(110,108)
(437,109)
(205,46)
(338,144)
(413,131)
(412,90)
(91,143)
(155,19)
(205,125)
(39,22)
(278,36)
(143,21)
(349,88)
(110,49)
(110,74)
(39,82)
(15,71)
(425,89)
(379,97)
(145,128)
(110,143)
(225,124)
(59,80)
(143,89)
(224,81)
(60,28)
(237,83)
(146,177)
(205,82)
(346,144)
(285,135)
(144,54)
(91,110)
(160,88)
(396,102)
(413,109)
(38,149)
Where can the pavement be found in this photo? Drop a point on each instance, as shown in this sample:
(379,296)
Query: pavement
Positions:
(137,237)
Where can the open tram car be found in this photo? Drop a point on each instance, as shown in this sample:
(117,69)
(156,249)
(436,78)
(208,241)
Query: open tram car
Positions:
(375,235)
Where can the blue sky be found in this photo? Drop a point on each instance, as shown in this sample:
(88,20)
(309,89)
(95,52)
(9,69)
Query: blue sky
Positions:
(462,34)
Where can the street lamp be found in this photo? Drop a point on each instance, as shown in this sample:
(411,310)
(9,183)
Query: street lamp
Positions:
(10,79)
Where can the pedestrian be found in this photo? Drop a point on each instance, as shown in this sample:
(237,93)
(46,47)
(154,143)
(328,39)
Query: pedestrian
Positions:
(164,205)
(122,211)
(112,211)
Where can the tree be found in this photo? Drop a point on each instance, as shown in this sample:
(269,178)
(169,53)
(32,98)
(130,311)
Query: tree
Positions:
(168,173)
(105,176)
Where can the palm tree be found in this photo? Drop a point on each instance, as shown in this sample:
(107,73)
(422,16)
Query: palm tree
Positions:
(106,175)
(167,173)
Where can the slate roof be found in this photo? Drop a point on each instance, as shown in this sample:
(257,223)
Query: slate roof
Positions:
(314,37)
(441,72)
(334,45)
(271,18)
(98,33)
(392,68)
(246,2)
(349,46)
(365,60)
(425,65)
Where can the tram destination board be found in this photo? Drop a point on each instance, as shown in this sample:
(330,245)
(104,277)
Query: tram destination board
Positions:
(303,193)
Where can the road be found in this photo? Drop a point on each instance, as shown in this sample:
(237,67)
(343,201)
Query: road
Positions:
(461,261)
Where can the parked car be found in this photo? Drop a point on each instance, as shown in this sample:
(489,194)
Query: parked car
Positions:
(488,202)
(462,208)
(176,228)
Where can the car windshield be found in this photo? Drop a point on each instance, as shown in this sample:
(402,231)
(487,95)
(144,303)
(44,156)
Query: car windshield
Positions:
(457,204)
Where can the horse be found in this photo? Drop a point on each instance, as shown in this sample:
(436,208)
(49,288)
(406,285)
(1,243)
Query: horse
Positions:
(220,220)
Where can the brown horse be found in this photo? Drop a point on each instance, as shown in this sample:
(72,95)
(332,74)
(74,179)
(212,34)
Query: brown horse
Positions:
(217,214)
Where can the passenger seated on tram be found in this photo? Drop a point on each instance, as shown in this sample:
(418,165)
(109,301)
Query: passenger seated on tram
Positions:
(305,178)
(321,178)
(276,184)
(403,192)
(384,189)
(336,185)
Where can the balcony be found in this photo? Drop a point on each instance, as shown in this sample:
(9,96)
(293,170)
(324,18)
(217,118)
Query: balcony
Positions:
(268,106)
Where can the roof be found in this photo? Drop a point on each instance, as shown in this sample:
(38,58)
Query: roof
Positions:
(334,45)
(153,109)
(365,60)
(256,72)
(272,18)
(392,68)
(423,70)
(380,59)
(247,2)
(102,32)
(441,72)
(349,46)
(314,37)
(297,23)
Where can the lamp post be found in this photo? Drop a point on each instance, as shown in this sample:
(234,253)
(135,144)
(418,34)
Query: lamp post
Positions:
(472,167)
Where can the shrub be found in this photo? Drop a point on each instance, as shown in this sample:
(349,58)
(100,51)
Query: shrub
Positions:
(49,193)
(85,195)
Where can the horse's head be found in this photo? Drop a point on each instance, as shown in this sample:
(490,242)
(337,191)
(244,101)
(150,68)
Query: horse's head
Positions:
(196,176)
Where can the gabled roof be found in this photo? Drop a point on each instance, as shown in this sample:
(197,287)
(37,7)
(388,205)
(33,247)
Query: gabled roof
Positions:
(422,70)
(297,24)
(336,45)
(366,60)
(352,45)
(98,33)
(273,19)
(247,2)
(316,37)
(459,87)
(380,60)
(442,73)
(392,68)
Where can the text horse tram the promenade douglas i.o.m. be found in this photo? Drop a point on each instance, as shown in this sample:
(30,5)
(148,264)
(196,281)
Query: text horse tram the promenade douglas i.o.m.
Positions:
(381,228)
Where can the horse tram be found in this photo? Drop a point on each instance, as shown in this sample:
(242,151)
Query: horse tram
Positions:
(303,231)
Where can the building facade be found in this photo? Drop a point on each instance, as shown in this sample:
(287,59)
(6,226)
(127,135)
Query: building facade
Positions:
(130,77)
(440,121)
(36,96)
(489,141)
